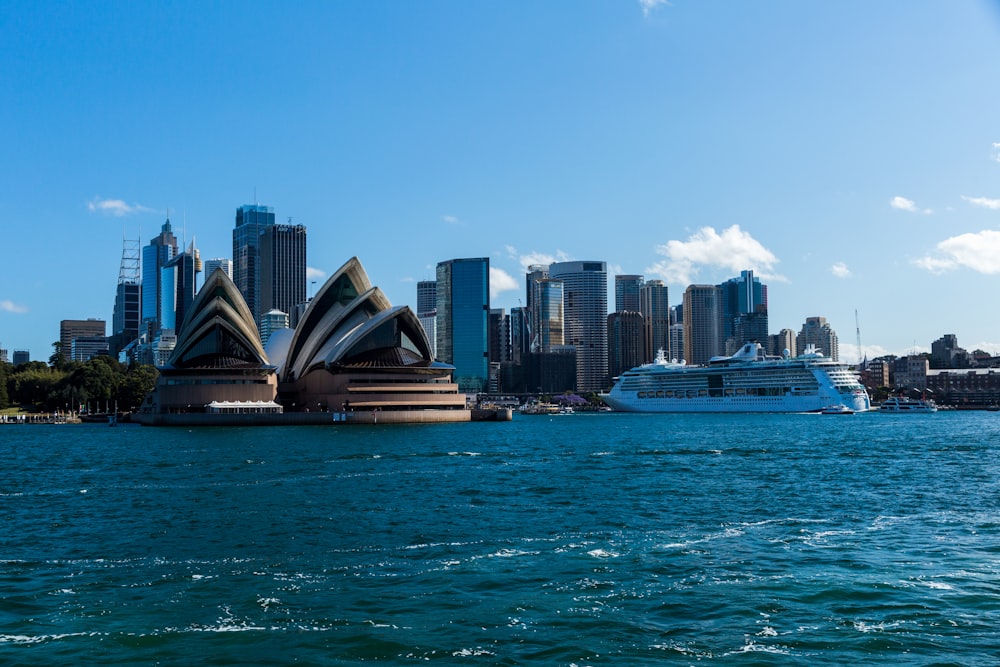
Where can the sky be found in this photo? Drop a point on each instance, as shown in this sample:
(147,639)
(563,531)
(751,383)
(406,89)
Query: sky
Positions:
(846,152)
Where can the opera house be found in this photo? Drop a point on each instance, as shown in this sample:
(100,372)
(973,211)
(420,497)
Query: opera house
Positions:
(353,357)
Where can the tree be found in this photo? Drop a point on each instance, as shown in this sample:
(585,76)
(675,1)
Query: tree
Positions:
(58,358)
(136,383)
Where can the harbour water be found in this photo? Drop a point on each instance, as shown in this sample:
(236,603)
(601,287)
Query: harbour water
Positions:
(609,539)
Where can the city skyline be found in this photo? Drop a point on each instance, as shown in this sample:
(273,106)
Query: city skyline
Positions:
(847,154)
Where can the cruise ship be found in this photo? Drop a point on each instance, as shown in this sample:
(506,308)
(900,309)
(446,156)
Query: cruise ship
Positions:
(748,381)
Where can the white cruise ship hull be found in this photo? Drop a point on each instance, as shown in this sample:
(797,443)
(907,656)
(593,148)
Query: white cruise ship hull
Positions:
(748,381)
(624,403)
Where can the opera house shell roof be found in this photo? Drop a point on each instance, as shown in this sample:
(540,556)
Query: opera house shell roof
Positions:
(351,351)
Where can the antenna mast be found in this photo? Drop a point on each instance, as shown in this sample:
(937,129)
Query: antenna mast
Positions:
(857,326)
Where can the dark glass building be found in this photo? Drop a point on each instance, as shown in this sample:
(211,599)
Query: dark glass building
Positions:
(463,305)
(251,221)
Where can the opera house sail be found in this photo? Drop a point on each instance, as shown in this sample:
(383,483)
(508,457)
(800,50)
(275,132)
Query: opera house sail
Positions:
(352,355)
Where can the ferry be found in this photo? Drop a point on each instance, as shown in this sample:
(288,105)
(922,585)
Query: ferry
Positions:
(906,405)
(748,381)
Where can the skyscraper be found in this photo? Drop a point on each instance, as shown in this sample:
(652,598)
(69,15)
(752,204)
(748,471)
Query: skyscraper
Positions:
(627,293)
(128,309)
(251,220)
(161,249)
(654,304)
(585,313)
(178,287)
(282,263)
(744,311)
(626,342)
(816,331)
(702,323)
(426,297)
(549,326)
(212,265)
(532,283)
(463,304)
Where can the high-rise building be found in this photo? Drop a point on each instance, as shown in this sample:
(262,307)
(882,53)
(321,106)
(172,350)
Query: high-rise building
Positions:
(21,357)
(499,347)
(744,311)
(816,331)
(212,265)
(781,341)
(627,293)
(550,315)
(282,262)
(654,304)
(178,287)
(161,249)
(585,319)
(463,304)
(251,221)
(91,328)
(702,323)
(127,313)
(272,321)
(3,355)
(427,311)
(532,284)
(676,341)
(626,342)
(426,297)
(520,335)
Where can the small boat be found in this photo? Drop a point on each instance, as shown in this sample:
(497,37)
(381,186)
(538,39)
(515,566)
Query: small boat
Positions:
(903,404)
(839,409)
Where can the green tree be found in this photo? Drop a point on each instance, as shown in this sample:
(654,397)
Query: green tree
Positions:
(138,381)
(58,357)
(5,372)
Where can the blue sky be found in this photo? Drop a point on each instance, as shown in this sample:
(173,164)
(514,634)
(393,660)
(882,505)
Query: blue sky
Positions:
(847,152)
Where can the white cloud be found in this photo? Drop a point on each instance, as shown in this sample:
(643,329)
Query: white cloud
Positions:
(992,348)
(650,5)
(500,281)
(533,258)
(849,352)
(115,207)
(908,205)
(985,202)
(11,307)
(733,250)
(979,252)
(840,270)
(451,220)
(315,275)
(996,151)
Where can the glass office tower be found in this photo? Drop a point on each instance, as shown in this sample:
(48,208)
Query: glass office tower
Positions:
(251,221)
(585,319)
(463,306)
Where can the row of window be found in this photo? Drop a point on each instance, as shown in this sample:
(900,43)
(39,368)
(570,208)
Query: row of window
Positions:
(726,393)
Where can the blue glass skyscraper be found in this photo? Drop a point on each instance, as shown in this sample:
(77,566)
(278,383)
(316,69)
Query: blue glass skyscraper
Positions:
(155,256)
(463,306)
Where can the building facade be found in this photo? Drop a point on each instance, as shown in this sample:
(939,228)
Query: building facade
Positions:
(282,263)
(627,288)
(223,263)
(654,304)
(585,313)
(626,342)
(703,333)
(816,331)
(463,304)
(90,328)
(161,249)
(251,221)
